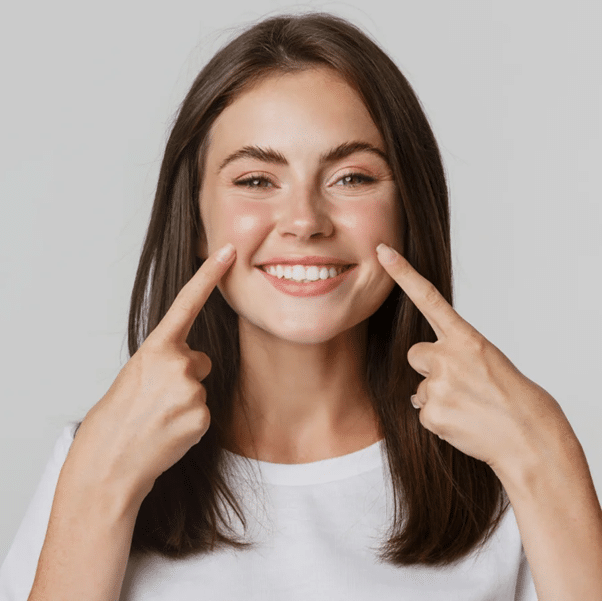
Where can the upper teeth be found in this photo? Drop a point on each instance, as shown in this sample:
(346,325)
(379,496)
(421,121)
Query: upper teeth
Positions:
(303,272)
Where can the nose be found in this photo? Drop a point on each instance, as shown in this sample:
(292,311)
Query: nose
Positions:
(304,214)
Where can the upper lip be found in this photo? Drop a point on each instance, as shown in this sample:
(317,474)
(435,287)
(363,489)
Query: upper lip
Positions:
(307,260)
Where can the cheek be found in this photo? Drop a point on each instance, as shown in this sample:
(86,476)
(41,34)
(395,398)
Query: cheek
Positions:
(238,222)
(370,222)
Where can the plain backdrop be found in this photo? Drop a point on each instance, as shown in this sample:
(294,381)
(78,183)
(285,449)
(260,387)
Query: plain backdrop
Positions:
(89,91)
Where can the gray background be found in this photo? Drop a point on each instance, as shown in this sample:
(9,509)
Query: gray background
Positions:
(89,90)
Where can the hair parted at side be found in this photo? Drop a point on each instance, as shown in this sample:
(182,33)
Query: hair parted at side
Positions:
(445,503)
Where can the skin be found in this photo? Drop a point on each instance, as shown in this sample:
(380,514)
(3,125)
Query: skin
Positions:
(301,357)
(474,398)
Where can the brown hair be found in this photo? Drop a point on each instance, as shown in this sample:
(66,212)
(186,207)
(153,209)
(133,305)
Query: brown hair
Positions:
(446,503)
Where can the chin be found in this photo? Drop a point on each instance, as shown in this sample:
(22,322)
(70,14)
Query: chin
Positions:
(303,331)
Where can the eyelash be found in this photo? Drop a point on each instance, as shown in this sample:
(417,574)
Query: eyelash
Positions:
(245,183)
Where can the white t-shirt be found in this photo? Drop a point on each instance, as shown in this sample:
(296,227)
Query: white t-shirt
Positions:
(314,532)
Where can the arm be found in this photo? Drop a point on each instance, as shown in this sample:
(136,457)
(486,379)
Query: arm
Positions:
(88,540)
(476,399)
(559,518)
(150,417)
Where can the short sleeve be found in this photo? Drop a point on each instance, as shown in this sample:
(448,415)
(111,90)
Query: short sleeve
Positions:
(525,587)
(18,570)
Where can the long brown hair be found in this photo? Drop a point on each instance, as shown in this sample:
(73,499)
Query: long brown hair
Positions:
(446,503)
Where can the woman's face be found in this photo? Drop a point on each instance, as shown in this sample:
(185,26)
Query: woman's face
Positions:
(298,205)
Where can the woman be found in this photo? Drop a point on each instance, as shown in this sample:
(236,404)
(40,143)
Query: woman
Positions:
(303,145)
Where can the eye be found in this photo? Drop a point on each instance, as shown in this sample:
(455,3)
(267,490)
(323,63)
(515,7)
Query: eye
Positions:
(366,179)
(250,181)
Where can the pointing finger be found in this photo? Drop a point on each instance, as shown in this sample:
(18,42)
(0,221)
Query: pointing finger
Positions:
(429,301)
(178,320)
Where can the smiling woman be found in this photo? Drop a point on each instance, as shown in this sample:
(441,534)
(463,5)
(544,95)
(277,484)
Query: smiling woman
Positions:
(303,146)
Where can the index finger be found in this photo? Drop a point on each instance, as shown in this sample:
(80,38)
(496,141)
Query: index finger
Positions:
(424,294)
(178,320)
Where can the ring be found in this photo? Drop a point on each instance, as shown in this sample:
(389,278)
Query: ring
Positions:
(412,401)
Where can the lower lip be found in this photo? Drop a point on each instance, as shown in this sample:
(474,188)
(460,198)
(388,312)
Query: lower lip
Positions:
(310,288)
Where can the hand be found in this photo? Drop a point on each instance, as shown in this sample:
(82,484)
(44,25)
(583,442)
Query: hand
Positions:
(473,397)
(155,410)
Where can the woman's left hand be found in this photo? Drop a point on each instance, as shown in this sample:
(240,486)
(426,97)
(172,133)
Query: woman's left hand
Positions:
(473,397)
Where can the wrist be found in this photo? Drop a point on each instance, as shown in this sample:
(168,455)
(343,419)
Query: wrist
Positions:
(80,483)
(541,462)
(542,442)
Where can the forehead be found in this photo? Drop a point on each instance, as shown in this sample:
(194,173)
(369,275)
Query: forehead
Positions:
(313,108)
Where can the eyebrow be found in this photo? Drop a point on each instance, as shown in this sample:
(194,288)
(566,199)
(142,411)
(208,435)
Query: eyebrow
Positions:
(268,155)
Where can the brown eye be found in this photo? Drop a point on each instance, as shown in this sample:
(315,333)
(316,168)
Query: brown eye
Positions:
(250,182)
(357,176)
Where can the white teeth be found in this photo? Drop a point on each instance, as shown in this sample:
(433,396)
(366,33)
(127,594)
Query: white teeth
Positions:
(300,273)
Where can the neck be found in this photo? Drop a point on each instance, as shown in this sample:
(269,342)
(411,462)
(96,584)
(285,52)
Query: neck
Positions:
(302,401)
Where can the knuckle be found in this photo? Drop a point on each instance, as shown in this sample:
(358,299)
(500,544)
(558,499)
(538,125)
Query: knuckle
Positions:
(405,268)
(202,420)
(431,417)
(411,354)
(184,401)
(203,363)
(145,360)
(154,342)
(182,363)
(189,394)
(155,349)
(171,409)
(183,304)
(475,342)
(200,394)
(437,388)
(432,296)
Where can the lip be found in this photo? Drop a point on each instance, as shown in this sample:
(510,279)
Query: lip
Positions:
(306,260)
(311,288)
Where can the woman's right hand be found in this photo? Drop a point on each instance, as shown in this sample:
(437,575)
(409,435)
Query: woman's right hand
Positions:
(155,410)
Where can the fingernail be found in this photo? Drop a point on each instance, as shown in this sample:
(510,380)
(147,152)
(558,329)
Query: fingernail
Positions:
(386,253)
(225,253)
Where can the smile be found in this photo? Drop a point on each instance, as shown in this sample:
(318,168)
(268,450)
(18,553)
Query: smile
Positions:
(307,283)
(305,273)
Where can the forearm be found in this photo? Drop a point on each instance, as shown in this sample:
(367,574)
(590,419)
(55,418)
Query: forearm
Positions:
(560,521)
(87,543)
